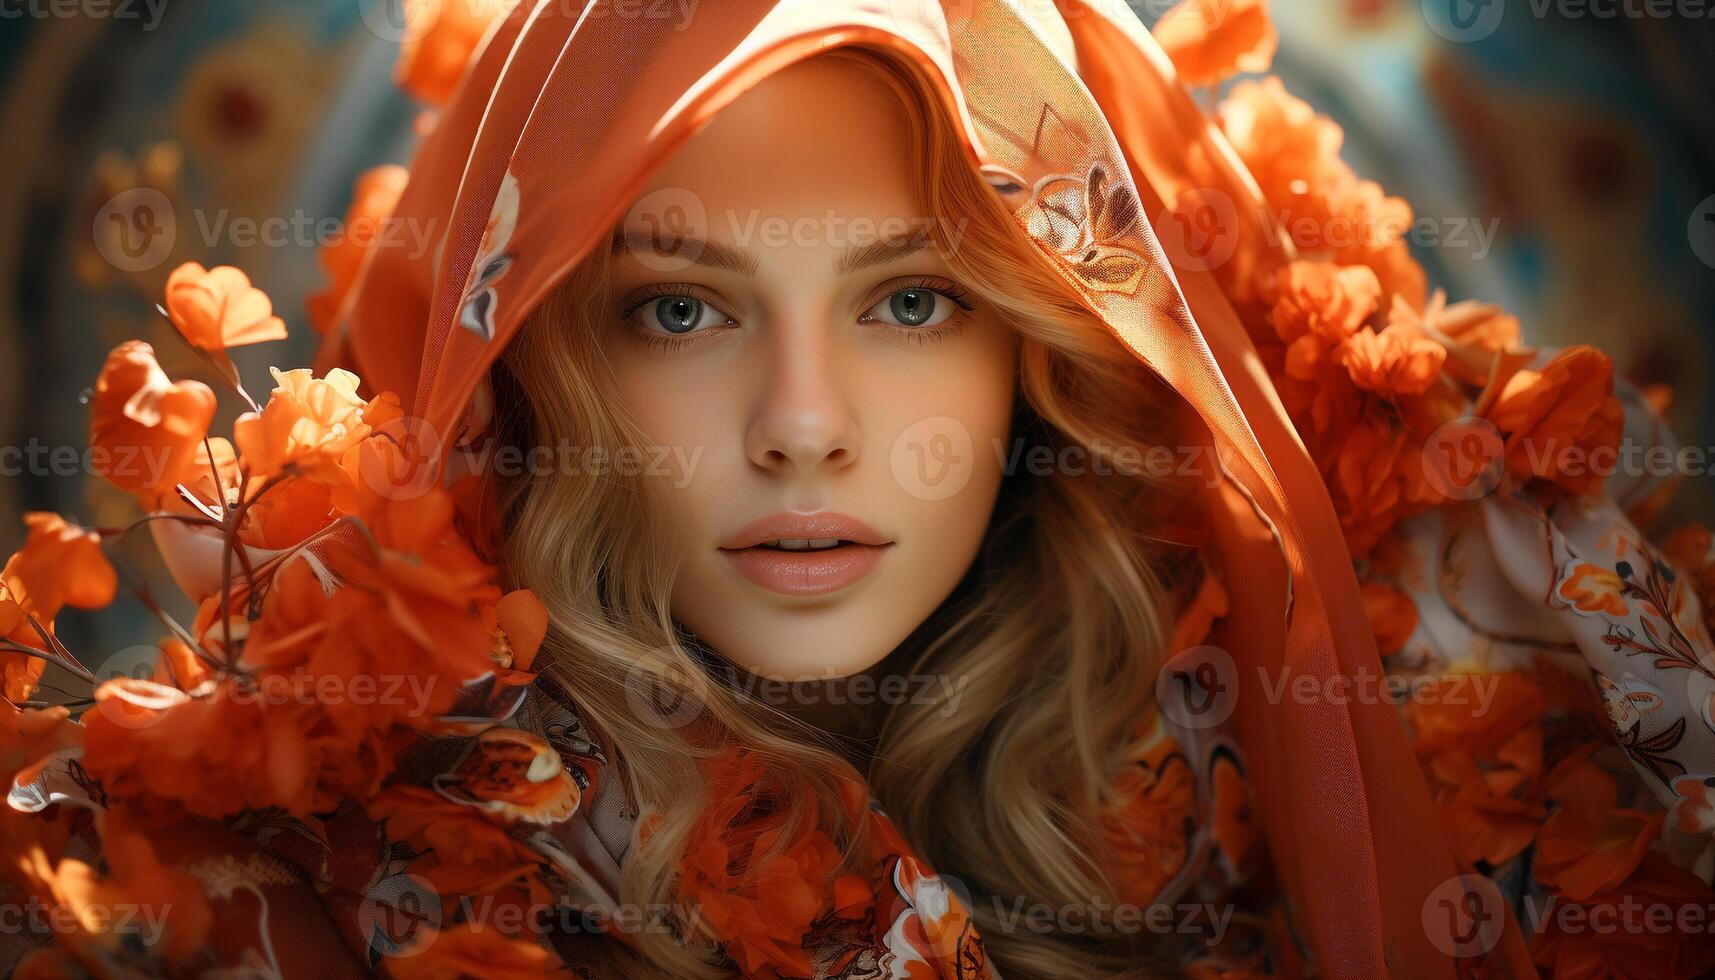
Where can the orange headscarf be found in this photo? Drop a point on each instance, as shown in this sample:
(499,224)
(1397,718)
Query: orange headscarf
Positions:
(1075,117)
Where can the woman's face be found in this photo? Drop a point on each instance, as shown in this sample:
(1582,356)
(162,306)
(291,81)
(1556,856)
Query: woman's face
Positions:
(838,396)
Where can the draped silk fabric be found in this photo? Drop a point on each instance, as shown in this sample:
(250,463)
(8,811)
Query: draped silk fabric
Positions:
(1073,115)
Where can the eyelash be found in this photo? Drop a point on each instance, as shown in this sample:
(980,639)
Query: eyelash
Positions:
(655,339)
(917,336)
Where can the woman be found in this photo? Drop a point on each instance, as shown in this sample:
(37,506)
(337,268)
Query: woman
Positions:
(753,393)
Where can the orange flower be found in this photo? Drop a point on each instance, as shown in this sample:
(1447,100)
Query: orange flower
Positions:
(460,850)
(1209,40)
(1581,852)
(1559,420)
(29,735)
(1392,615)
(1316,306)
(470,950)
(287,513)
(762,909)
(146,428)
(215,309)
(1631,943)
(1593,589)
(443,36)
(87,901)
(138,874)
(398,639)
(1377,481)
(1147,826)
(523,623)
(308,421)
(19,671)
(1293,152)
(1397,361)
(1591,844)
(515,776)
(1491,812)
(212,753)
(1694,812)
(1369,228)
(373,200)
(1691,551)
(1316,197)
(60,565)
(1448,717)
(1472,333)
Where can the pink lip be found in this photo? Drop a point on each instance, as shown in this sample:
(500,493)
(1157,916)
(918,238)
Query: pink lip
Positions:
(804,573)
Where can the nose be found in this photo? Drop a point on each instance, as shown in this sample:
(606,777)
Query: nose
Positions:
(803,419)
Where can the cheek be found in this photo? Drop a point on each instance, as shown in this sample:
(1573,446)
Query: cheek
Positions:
(950,447)
(686,419)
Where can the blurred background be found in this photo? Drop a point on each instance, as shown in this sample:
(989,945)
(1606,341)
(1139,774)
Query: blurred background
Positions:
(1560,155)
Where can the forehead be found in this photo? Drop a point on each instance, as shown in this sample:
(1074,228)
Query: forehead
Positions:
(824,136)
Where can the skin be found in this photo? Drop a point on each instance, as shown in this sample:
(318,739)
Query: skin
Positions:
(799,384)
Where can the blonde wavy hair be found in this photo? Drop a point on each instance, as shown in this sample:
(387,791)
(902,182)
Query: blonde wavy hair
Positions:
(1053,640)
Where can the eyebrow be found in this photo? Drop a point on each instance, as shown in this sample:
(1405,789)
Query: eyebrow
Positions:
(717,256)
(690,249)
(883,252)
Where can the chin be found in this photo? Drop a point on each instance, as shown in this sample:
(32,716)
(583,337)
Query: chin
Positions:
(803,646)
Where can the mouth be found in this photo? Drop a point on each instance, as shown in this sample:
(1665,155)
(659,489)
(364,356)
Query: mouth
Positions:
(806,554)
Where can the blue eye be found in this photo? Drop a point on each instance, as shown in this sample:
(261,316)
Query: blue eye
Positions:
(678,315)
(913,307)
